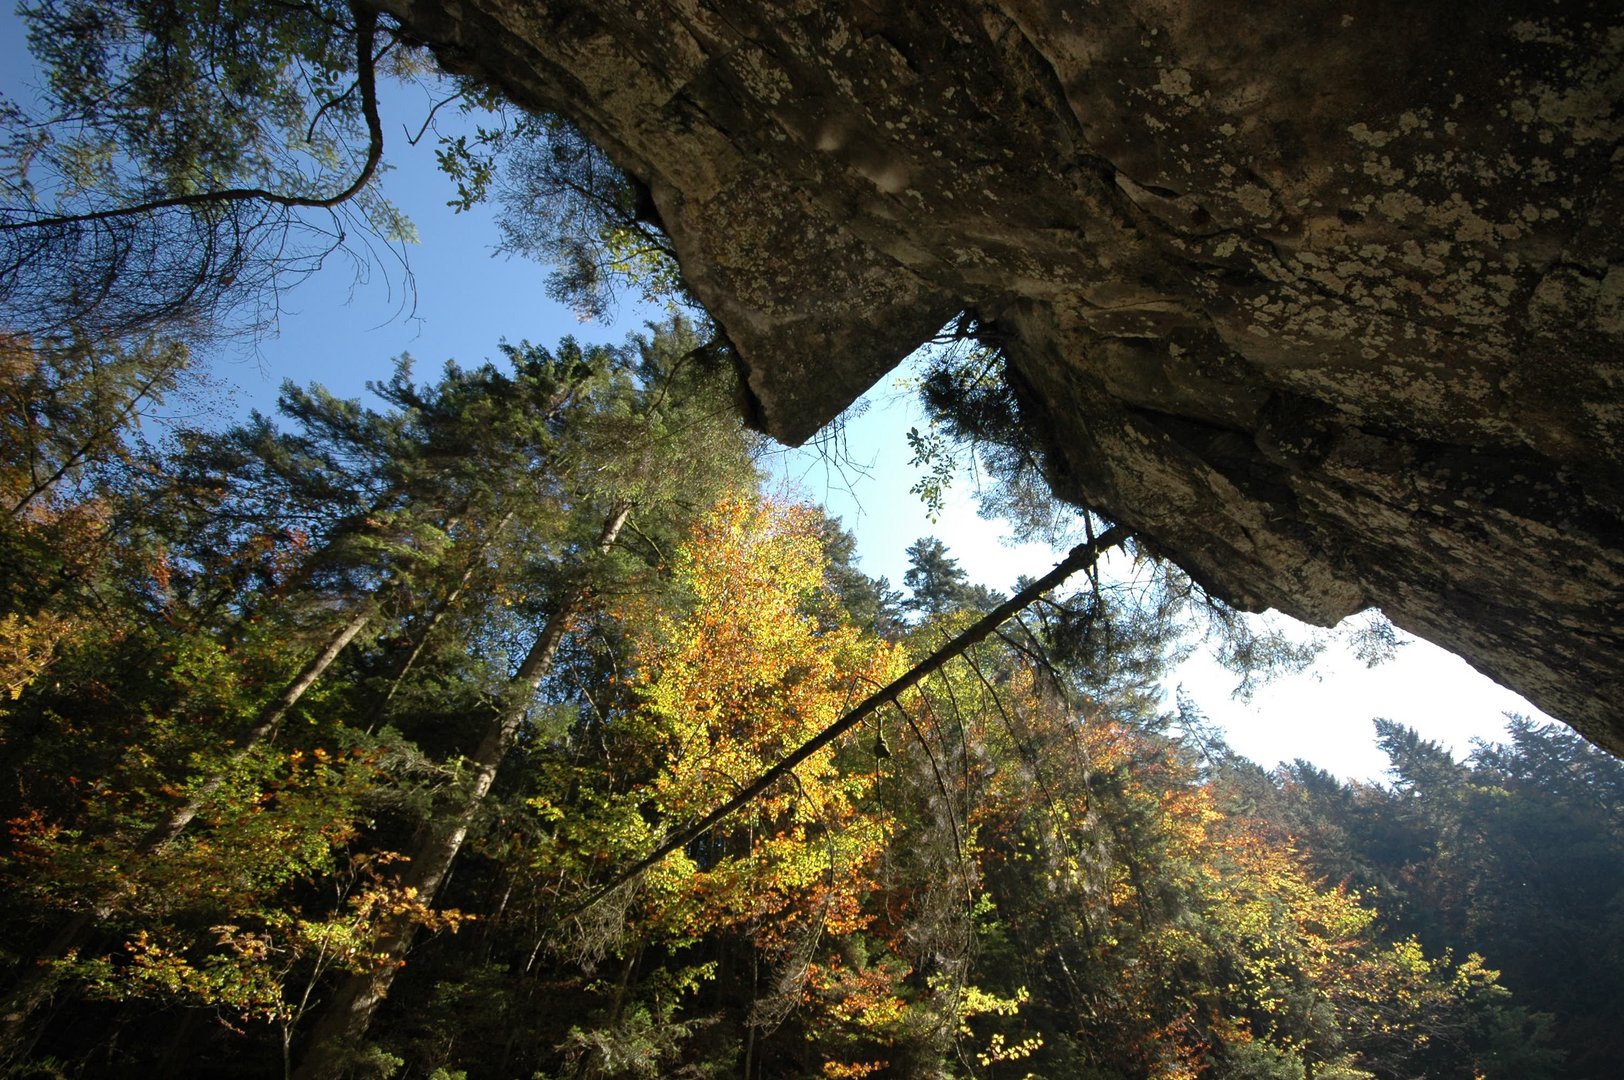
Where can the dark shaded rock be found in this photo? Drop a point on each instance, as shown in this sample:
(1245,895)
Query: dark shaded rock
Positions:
(1327,301)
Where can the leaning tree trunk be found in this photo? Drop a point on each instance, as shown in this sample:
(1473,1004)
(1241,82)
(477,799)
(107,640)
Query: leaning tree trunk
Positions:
(167,830)
(1083,556)
(36,983)
(346,1017)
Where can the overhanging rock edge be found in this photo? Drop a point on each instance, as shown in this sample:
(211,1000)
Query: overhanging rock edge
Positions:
(1329,304)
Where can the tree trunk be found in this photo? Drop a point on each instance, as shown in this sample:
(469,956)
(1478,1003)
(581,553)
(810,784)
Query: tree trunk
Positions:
(36,983)
(1080,557)
(166,831)
(349,1013)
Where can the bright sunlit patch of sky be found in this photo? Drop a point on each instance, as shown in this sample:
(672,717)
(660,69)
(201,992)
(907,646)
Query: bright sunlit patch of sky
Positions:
(345,325)
(1322,715)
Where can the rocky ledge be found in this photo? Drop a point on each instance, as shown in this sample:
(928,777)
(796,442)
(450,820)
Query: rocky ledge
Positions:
(1325,300)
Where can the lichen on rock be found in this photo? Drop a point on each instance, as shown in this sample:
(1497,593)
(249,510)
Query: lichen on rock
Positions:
(1375,254)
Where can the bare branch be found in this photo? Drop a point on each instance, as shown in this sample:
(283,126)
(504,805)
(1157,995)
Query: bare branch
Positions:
(1081,556)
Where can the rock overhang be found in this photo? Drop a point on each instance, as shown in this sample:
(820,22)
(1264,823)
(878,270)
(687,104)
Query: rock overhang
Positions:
(1329,304)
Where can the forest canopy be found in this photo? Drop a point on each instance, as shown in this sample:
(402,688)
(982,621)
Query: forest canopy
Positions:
(321,727)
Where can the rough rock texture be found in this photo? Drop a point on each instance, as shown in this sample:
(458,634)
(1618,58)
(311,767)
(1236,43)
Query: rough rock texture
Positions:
(1325,299)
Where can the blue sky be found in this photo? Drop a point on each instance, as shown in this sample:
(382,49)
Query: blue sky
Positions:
(348,323)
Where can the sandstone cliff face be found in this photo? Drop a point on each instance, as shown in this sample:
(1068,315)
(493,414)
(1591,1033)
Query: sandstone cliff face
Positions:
(1327,300)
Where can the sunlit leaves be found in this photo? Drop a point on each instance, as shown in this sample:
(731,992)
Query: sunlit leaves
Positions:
(27,644)
(738,679)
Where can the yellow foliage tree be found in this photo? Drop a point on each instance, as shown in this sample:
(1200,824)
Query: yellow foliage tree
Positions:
(741,677)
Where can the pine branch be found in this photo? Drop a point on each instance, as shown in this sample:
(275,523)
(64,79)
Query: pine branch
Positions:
(366,27)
